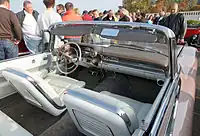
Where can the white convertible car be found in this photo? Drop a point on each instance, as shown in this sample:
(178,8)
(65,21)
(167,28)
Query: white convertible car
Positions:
(107,79)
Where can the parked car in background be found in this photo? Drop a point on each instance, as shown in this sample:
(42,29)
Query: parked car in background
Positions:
(193,34)
(23,49)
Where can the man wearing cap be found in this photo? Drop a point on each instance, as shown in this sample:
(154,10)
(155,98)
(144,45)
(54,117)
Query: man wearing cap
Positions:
(28,20)
(70,15)
(10,31)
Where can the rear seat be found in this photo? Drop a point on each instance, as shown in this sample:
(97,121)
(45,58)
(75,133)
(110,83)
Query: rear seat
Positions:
(10,127)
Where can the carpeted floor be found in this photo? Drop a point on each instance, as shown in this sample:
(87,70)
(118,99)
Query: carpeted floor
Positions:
(133,87)
(63,127)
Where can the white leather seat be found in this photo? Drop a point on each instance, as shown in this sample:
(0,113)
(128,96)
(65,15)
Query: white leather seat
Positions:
(42,90)
(141,109)
(104,114)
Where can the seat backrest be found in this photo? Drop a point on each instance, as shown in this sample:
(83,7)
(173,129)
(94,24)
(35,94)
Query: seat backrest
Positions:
(100,115)
(35,90)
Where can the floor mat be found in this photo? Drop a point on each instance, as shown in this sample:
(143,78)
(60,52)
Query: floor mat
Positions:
(91,80)
(143,90)
(132,87)
(64,127)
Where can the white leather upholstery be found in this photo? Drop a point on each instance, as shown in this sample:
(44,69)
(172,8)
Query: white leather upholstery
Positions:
(60,83)
(141,109)
(100,114)
(44,92)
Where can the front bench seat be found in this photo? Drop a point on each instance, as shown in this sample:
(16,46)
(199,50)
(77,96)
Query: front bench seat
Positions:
(101,114)
(44,92)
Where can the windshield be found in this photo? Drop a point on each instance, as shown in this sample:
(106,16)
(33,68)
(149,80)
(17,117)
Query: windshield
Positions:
(140,37)
(153,47)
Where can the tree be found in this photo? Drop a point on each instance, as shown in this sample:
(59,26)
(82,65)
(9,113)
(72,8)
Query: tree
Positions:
(197,7)
(147,6)
(183,5)
(158,5)
(193,5)
(134,5)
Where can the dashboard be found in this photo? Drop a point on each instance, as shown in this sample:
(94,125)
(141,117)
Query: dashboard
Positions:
(118,59)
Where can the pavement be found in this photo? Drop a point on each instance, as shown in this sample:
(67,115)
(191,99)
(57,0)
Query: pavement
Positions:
(196,113)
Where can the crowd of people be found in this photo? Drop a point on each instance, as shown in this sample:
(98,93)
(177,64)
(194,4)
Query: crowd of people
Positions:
(29,25)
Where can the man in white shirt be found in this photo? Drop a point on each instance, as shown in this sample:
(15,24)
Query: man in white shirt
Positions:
(47,18)
(28,20)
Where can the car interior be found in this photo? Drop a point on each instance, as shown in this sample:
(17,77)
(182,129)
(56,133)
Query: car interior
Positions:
(83,89)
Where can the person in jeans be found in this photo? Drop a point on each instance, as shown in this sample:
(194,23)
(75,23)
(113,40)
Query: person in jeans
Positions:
(28,20)
(10,32)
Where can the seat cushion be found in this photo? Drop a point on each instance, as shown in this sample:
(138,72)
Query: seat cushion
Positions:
(141,109)
(61,83)
(57,82)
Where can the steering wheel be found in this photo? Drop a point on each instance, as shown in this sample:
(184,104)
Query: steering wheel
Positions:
(69,53)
